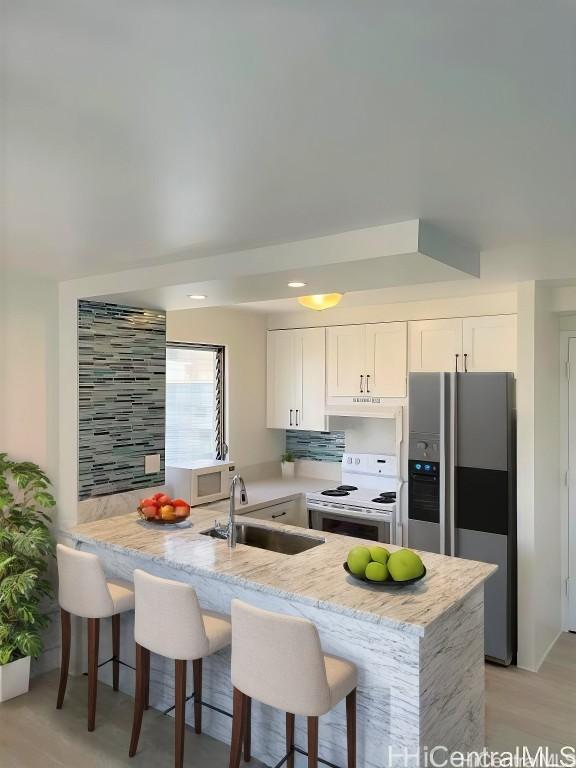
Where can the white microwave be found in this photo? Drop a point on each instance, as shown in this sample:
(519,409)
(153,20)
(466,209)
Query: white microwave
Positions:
(200,482)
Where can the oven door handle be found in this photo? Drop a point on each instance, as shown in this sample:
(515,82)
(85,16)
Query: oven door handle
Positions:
(383,516)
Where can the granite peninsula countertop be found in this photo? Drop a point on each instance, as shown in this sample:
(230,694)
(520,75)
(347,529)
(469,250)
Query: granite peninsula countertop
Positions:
(314,577)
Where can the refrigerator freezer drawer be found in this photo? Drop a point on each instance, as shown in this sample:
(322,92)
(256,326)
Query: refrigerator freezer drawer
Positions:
(499,601)
(424,536)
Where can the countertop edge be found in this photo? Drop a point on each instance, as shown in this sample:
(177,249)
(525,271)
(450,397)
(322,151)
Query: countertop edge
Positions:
(408,628)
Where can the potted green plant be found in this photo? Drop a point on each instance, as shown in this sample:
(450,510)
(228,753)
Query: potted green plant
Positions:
(287,464)
(25,547)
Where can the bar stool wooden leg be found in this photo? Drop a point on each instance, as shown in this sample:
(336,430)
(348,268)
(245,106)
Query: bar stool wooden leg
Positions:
(180,670)
(247,729)
(115,651)
(351,727)
(93,643)
(237,728)
(146,678)
(65,662)
(197,674)
(312,742)
(138,699)
(290,739)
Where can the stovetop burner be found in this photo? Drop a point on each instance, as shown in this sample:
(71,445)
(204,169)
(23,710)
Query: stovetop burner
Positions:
(384,500)
(335,492)
(389,495)
(347,488)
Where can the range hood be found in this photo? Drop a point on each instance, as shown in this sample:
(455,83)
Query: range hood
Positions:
(366,406)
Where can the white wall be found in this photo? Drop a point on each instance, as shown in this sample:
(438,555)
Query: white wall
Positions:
(29,395)
(547,472)
(539,509)
(243,333)
(29,370)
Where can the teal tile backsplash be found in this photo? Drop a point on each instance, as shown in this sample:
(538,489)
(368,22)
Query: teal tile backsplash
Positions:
(316,446)
(122,392)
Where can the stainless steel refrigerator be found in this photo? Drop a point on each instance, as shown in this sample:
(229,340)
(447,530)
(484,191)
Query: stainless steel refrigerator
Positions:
(462,484)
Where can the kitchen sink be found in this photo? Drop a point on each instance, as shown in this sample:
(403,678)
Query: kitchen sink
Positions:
(271,539)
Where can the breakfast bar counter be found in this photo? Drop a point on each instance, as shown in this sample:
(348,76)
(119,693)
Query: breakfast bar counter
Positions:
(419,649)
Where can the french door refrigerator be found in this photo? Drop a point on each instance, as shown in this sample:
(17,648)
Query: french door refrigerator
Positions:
(462,484)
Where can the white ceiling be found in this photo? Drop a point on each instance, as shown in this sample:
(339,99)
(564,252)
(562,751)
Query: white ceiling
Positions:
(142,131)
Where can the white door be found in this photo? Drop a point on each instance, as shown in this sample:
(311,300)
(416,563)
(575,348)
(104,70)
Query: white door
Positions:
(281,387)
(436,345)
(572,486)
(311,387)
(489,343)
(386,359)
(345,359)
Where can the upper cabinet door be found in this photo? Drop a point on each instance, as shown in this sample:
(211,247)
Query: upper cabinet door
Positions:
(386,355)
(310,366)
(490,343)
(281,403)
(436,345)
(346,360)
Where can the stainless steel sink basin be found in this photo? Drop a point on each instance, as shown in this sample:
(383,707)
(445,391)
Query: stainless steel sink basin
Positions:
(271,539)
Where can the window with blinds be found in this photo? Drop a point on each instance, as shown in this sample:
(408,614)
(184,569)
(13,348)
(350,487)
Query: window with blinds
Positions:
(194,403)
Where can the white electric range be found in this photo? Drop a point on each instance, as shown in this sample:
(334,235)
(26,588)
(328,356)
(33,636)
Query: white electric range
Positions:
(363,504)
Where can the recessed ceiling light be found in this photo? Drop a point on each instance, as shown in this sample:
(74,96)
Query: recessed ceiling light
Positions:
(296,284)
(198,296)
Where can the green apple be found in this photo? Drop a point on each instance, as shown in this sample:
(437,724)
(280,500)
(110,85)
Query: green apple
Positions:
(379,554)
(376,571)
(358,559)
(405,564)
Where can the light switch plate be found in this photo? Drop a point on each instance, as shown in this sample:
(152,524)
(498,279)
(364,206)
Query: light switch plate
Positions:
(152,464)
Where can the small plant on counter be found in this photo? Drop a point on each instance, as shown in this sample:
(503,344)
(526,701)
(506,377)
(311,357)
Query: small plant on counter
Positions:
(25,546)
(287,464)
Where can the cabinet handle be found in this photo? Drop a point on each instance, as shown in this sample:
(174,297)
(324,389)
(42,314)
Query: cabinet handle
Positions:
(291,412)
(465,362)
(297,418)
(361,383)
(367,383)
(280,514)
(456,356)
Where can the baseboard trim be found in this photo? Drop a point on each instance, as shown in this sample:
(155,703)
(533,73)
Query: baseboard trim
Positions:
(547,651)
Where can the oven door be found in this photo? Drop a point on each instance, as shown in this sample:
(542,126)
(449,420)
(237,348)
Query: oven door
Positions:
(360,526)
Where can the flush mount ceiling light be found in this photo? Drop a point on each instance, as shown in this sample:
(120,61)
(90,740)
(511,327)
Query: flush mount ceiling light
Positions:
(296,284)
(198,296)
(320,301)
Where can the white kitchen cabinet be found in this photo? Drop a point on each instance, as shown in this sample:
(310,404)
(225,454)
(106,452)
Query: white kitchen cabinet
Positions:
(436,345)
(345,360)
(296,379)
(366,360)
(288,512)
(386,355)
(472,344)
(489,343)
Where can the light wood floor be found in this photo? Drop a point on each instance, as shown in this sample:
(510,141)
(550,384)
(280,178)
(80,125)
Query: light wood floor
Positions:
(527,709)
(523,709)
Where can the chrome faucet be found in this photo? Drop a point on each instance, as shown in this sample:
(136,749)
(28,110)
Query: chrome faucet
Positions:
(229,531)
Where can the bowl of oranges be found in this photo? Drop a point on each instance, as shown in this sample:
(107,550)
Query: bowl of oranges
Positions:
(163,509)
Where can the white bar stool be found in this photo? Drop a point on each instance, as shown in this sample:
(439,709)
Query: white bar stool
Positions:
(169,622)
(278,660)
(84,591)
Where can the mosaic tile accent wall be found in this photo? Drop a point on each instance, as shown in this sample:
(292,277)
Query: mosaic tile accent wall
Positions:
(122,392)
(317,446)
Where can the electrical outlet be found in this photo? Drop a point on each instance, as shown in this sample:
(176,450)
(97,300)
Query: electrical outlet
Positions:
(152,464)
